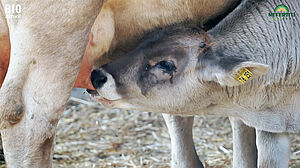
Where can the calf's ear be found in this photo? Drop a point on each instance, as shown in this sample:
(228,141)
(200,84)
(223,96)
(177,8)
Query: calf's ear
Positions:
(240,73)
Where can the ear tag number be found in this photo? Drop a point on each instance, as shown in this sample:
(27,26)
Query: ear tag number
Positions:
(243,75)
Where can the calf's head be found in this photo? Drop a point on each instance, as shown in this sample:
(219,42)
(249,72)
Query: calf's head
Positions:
(175,69)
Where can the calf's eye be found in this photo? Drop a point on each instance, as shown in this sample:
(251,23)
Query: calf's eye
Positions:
(167,66)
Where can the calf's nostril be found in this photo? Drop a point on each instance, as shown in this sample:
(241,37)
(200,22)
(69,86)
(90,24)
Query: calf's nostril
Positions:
(98,78)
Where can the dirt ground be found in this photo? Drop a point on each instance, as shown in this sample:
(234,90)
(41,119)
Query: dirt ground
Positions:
(90,136)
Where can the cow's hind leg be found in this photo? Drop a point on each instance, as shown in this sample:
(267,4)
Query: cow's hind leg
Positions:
(244,148)
(47,44)
(273,149)
(182,145)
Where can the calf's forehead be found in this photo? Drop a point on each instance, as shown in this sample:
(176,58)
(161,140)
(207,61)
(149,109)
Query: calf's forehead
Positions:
(175,45)
(165,51)
(172,42)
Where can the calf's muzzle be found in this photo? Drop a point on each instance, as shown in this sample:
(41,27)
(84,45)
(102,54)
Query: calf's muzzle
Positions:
(105,85)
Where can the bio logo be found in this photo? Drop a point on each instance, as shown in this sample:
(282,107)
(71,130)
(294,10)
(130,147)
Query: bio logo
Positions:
(282,12)
(13,10)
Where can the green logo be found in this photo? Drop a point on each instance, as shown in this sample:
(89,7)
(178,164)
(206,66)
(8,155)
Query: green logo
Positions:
(282,12)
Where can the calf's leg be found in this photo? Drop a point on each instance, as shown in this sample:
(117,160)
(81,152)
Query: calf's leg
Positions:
(244,147)
(182,145)
(273,149)
(47,44)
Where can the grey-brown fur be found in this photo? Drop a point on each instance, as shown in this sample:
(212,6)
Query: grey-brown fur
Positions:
(250,33)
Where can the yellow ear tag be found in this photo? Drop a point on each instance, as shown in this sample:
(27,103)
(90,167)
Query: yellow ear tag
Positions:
(243,75)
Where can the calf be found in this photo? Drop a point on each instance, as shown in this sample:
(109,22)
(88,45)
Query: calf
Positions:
(119,27)
(243,71)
